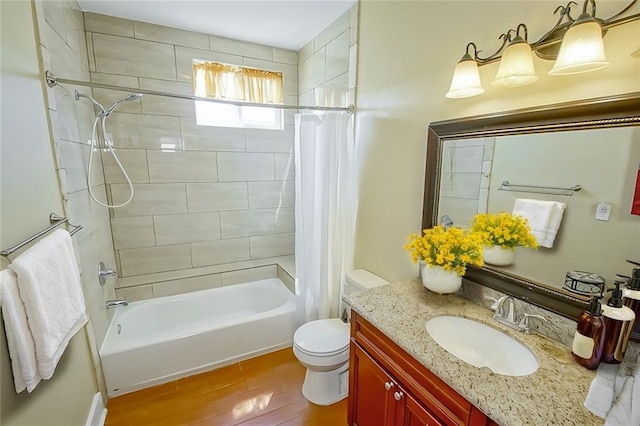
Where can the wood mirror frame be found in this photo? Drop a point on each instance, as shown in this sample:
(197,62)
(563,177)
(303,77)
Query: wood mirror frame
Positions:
(613,111)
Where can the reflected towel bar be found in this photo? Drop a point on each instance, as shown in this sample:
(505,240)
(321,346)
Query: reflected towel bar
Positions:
(553,190)
(55,221)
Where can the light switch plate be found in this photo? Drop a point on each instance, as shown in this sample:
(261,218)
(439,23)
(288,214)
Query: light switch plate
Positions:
(603,211)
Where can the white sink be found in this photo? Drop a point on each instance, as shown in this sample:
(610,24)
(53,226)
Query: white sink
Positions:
(482,346)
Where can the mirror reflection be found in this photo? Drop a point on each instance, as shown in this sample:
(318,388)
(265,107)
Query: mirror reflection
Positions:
(604,162)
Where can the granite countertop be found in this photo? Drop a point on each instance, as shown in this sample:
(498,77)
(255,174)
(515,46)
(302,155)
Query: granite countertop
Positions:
(553,395)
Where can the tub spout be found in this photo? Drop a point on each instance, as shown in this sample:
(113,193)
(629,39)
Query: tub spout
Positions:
(116,303)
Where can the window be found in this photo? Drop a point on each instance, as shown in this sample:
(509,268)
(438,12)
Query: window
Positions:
(234,83)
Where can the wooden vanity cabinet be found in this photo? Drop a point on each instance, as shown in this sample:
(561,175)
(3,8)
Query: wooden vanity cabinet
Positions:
(389,387)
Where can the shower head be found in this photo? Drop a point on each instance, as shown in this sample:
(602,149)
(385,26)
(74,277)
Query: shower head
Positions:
(79,95)
(129,98)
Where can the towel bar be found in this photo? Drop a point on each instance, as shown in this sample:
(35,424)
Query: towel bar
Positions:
(55,221)
(553,190)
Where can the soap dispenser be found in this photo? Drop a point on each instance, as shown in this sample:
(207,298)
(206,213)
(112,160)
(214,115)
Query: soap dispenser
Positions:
(589,338)
(632,295)
(619,321)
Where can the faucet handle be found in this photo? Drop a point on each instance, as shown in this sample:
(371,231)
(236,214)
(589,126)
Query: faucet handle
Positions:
(525,323)
(495,304)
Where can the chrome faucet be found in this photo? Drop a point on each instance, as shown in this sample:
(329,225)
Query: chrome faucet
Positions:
(505,313)
(116,303)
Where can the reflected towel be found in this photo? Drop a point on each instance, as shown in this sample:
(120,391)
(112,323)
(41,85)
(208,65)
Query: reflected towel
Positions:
(544,218)
(49,283)
(21,347)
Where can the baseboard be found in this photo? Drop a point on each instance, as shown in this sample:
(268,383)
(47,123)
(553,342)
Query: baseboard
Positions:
(98,413)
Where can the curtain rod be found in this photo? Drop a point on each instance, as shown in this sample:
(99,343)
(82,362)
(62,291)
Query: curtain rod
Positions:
(52,81)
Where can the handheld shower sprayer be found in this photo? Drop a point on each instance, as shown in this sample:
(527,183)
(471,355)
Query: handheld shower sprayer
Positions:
(108,145)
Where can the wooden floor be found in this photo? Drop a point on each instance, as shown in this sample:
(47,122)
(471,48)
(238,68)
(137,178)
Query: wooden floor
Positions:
(266,390)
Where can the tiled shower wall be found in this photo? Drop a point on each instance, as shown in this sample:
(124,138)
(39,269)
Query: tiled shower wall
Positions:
(204,196)
(64,52)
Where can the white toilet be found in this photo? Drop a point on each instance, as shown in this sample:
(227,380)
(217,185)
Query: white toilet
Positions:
(322,346)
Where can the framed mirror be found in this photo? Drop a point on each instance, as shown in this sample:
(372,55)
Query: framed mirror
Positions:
(592,144)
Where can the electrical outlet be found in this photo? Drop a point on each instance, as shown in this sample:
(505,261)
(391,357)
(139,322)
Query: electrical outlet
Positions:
(603,211)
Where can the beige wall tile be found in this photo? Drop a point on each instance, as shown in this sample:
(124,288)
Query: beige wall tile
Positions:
(245,223)
(353,58)
(207,197)
(261,140)
(305,51)
(242,48)
(134,162)
(152,32)
(272,245)
(108,97)
(182,166)
(150,199)
(287,279)
(220,251)
(337,27)
(185,57)
(285,166)
(187,285)
(155,259)
(164,105)
(104,24)
(311,72)
(333,92)
(234,166)
(119,55)
(135,294)
(144,131)
(211,138)
(271,194)
(132,232)
(74,164)
(285,56)
(248,275)
(90,56)
(353,23)
(337,56)
(54,16)
(187,228)
(285,220)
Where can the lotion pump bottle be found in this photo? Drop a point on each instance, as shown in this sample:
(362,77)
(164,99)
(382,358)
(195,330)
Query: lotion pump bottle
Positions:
(619,321)
(590,335)
(632,296)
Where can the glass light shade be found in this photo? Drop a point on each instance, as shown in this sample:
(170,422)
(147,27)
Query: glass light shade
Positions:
(516,66)
(466,79)
(582,48)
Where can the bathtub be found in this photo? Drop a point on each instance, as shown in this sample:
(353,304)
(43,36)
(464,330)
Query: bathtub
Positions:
(159,340)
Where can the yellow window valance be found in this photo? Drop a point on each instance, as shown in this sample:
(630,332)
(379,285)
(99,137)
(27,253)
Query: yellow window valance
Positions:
(230,82)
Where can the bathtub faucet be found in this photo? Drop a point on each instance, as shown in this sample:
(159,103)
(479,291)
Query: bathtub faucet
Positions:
(116,303)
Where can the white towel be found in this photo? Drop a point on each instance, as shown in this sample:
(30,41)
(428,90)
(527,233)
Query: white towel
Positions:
(635,395)
(620,413)
(601,391)
(49,283)
(21,347)
(544,218)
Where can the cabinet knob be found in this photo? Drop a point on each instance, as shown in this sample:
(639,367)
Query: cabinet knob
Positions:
(398,396)
(388,385)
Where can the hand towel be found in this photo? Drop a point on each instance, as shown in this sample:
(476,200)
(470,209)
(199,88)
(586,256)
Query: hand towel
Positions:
(21,347)
(620,413)
(49,283)
(635,395)
(601,391)
(537,213)
(557,211)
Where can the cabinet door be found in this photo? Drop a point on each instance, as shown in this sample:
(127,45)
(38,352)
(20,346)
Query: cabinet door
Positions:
(412,413)
(373,403)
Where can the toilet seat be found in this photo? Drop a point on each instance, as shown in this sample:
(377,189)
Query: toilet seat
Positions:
(322,338)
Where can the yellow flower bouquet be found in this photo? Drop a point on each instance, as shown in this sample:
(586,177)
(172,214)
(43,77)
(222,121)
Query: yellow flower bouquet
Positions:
(503,229)
(452,249)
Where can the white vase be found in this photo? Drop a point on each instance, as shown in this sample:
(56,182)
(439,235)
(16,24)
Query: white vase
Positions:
(436,279)
(498,255)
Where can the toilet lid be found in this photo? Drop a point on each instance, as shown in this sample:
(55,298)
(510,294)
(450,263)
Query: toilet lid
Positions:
(322,337)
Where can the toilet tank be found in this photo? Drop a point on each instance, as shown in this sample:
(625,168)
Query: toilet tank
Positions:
(361,279)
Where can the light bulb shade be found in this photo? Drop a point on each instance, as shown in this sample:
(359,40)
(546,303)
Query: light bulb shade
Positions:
(582,48)
(466,79)
(516,66)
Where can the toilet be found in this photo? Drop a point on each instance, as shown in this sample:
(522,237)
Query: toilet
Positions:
(322,346)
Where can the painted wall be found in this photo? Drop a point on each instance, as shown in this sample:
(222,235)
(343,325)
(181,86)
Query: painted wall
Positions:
(407,52)
(30,191)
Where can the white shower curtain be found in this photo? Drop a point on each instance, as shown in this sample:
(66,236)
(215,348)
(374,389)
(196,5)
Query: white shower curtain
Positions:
(325,211)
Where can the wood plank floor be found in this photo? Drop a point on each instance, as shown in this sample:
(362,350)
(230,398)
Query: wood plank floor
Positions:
(266,390)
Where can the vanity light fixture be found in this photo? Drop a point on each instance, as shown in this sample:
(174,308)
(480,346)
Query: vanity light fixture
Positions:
(575,44)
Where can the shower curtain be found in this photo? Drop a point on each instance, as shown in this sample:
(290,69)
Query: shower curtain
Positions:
(325,211)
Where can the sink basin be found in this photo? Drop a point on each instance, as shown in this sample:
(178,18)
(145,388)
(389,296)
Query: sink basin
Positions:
(482,346)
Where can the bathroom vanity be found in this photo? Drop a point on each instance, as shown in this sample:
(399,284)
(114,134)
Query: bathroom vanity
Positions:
(400,376)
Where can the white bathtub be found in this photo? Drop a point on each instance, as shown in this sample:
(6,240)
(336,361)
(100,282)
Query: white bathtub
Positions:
(158,340)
